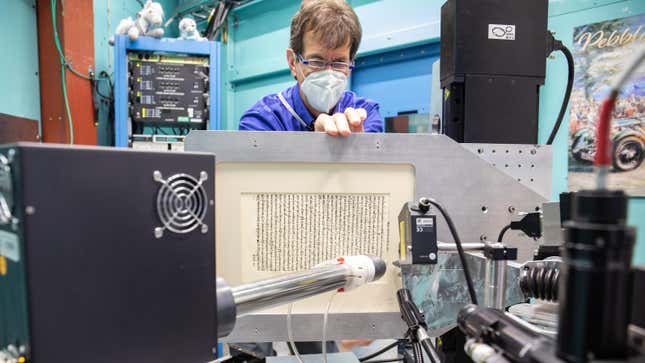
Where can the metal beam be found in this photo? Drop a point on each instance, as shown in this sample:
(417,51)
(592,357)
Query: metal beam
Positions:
(76,35)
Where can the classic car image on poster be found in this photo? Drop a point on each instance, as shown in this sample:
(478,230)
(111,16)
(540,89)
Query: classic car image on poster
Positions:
(601,50)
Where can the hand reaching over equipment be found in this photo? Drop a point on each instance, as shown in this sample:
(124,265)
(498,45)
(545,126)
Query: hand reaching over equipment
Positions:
(342,124)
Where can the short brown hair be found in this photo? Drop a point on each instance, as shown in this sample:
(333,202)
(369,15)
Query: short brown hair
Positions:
(333,23)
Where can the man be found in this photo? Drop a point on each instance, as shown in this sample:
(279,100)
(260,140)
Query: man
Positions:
(325,35)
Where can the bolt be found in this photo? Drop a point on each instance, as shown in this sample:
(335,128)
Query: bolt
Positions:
(432,256)
(511,209)
(483,238)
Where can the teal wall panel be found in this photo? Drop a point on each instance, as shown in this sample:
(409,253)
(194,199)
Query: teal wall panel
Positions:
(19,86)
(580,12)
(559,7)
(107,14)
(259,35)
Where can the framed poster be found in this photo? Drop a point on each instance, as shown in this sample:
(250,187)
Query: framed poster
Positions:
(601,51)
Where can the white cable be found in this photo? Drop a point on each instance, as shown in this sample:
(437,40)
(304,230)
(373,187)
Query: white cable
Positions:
(290,335)
(324,332)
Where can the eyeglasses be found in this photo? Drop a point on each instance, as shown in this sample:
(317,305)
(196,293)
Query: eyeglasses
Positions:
(318,65)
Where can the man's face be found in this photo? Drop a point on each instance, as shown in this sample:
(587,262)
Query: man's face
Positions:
(312,49)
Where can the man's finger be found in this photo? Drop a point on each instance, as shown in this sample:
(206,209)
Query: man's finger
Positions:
(326,123)
(341,124)
(361,113)
(353,117)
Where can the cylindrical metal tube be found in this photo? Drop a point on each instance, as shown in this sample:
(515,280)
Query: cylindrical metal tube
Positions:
(291,287)
(495,284)
(428,347)
(226,310)
(483,353)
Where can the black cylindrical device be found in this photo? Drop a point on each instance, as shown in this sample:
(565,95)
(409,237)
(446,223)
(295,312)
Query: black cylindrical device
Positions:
(594,288)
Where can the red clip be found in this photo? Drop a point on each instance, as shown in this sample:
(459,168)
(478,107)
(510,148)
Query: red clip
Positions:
(340,260)
(342,289)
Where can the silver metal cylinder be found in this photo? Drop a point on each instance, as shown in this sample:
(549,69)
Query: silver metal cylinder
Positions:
(226,310)
(288,288)
(495,284)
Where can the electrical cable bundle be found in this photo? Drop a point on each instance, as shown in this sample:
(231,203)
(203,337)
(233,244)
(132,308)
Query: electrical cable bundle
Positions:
(218,16)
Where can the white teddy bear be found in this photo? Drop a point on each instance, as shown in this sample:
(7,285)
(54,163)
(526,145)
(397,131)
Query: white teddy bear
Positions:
(149,22)
(188,30)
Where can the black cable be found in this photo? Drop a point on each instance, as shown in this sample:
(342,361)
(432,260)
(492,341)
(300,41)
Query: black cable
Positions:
(565,102)
(502,232)
(460,249)
(418,352)
(430,350)
(415,357)
(378,352)
(97,89)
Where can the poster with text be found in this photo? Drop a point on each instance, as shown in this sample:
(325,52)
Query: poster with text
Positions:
(601,51)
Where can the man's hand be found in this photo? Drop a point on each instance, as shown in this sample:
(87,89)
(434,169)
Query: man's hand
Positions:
(341,123)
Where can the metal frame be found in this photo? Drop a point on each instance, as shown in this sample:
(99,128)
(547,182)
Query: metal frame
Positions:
(531,165)
(123,44)
(480,198)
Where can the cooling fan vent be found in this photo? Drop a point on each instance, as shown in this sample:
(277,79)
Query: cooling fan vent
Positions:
(181,203)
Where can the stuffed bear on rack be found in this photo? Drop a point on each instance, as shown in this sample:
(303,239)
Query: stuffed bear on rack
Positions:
(149,22)
(188,30)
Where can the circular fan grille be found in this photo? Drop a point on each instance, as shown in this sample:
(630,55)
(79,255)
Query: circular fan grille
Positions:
(182,203)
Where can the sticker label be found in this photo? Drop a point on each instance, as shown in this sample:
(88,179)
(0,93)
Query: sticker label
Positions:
(501,31)
(425,222)
(9,246)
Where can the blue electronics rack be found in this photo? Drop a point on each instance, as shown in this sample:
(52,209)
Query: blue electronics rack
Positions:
(166,45)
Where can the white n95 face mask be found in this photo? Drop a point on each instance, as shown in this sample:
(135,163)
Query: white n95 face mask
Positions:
(324,89)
